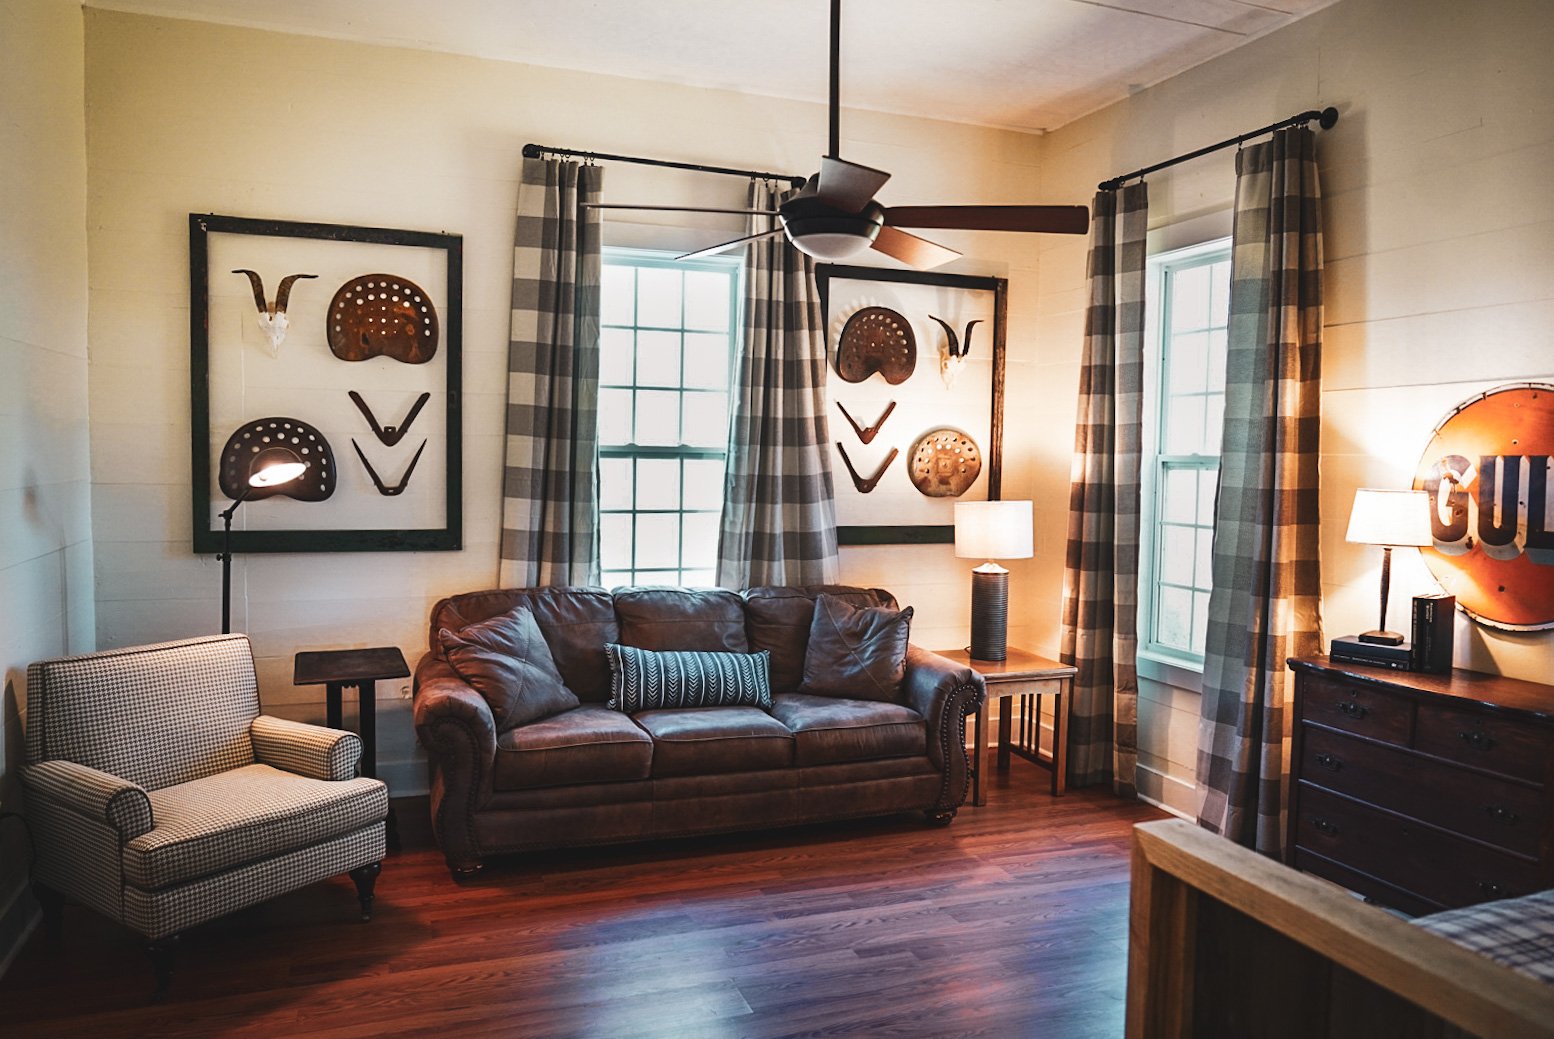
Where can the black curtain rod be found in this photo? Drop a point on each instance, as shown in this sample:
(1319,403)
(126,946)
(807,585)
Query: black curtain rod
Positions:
(535,151)
(1326,118)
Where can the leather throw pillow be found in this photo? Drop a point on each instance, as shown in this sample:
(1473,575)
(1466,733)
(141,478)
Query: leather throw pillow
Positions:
(645,680)
(507,661)
(856,652)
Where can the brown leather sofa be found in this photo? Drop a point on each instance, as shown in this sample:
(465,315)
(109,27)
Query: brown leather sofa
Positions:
(592,775)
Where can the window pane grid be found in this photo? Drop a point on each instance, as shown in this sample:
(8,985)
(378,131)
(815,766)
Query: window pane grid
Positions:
(663,416)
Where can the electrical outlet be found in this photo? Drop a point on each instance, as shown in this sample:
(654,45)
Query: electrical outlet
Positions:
(404,691)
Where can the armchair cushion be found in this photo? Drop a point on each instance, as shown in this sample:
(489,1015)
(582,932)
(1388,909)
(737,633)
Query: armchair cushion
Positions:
(307,750)
(506,660)
(245,815)
(94,794)
(856,652)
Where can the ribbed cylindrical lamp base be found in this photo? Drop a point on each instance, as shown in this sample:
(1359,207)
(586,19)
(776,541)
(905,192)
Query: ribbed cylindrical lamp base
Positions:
(989,615)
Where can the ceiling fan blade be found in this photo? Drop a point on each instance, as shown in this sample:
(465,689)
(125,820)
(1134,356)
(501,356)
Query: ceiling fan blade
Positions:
(847,185)
(680,209)
(1048,219)
(912,250)
(713,250)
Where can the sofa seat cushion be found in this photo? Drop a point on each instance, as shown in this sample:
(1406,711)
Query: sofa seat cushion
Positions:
(242,816)
(589,744)
(705,740)
(828,730)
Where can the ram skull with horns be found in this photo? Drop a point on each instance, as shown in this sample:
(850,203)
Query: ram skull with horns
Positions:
(272,315)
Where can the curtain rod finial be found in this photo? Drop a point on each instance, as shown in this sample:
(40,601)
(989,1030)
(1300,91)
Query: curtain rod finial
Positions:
(1329,118)
(532,151)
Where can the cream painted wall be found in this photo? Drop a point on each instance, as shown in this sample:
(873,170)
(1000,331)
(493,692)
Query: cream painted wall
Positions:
(1439,243)
(184,117)
(45,492)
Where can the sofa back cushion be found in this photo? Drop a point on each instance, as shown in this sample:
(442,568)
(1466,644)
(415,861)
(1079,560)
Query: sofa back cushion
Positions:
(706,620)
(576,623)
(507,660)
(856,652)
(778,620)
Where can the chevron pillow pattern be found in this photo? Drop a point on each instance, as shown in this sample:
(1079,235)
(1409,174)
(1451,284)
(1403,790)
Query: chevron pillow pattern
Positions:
(645,680)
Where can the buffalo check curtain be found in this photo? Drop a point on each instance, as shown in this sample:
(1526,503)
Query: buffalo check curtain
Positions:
(1264,605)
(779,508)
(1100,578)
(550,493)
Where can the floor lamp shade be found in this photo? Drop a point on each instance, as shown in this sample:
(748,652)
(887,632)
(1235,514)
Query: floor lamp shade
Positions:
(272,467)
(991,530)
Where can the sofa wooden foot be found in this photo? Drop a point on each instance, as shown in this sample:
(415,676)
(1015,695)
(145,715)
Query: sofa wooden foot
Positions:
(939,816)
(53,904)
(366,877)
(162,952)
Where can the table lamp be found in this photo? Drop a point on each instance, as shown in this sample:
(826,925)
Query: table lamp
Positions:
(271,467)
(991,530)
(1388,519)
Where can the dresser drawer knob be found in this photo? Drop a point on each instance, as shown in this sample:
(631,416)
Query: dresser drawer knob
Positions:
(1323,826)
(1491,889)
(1353,710)
(1330,762)
(1479,740)
(1503,814)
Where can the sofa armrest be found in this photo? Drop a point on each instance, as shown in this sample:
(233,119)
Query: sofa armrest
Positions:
(455,725)
(94,794)
(944,693)
(307,750)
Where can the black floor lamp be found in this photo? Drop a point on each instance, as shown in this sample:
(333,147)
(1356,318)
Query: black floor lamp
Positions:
(271,467)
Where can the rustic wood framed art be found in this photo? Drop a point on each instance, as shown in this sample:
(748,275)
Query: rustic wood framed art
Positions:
(351,338)
(911,388)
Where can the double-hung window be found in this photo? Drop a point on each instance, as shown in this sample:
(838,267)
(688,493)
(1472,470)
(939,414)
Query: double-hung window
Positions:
(1190,290)
(666,345)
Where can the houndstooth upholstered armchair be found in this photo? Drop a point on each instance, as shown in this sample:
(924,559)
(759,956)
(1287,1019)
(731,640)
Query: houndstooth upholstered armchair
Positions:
(161,797)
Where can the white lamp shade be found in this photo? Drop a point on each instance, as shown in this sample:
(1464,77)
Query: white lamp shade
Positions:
(993,529)
(1390,518)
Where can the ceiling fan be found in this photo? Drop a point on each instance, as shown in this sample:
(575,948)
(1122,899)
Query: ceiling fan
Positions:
(834,216)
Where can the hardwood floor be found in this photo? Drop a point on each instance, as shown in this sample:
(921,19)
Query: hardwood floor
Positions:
(1012,921)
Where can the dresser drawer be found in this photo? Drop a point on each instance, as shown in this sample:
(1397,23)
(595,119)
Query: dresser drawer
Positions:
(1433,865)
(1357,709)
(1509,747)
(1498,811)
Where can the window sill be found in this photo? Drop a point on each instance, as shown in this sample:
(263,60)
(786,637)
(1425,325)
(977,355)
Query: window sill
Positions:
(1173,671)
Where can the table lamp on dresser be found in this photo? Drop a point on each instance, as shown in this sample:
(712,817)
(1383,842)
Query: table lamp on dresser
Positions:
(991,530)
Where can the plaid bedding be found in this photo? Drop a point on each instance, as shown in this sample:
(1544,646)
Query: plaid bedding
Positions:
(1518,932)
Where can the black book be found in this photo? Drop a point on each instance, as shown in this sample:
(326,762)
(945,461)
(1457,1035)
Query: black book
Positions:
(1433,632)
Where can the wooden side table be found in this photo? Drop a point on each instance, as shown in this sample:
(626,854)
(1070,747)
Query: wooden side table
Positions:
(337,669)
(1029,677)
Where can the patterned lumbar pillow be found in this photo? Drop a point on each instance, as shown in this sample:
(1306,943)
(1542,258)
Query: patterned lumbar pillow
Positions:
(858,652)
(644,680)
(507,661)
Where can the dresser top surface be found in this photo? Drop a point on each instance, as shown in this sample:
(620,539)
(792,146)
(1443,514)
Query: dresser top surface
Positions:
(1513,694)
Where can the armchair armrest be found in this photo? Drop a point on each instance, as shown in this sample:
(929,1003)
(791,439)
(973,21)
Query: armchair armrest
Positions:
(944,693)
(454,724)
(307,750)
(94,794)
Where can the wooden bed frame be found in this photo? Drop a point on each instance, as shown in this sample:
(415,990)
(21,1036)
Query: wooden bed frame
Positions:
(1227,944)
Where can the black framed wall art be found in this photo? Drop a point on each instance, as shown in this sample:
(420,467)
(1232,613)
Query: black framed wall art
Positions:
(338,347)
(914,398)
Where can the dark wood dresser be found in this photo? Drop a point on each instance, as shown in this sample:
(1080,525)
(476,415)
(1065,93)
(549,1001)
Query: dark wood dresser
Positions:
(1422,792)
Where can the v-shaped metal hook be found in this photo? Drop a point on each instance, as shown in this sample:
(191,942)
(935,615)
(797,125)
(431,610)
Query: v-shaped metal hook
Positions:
(865,486)
(389,435)
(867,433)
(404,481)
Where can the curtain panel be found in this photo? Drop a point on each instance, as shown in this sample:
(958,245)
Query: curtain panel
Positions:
(1100,578)
(1265,605)
(550,491)
(779,508)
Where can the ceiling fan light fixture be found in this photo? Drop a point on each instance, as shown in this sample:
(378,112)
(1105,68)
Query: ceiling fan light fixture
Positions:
(828,234)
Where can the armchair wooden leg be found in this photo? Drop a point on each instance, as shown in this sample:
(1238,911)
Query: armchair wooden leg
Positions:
(365,877)
(162,953)
(53,904)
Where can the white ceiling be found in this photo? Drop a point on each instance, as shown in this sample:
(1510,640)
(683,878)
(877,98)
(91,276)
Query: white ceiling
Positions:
(1021,64)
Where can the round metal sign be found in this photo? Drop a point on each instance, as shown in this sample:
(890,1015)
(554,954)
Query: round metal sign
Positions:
(944,463)
(1486,469)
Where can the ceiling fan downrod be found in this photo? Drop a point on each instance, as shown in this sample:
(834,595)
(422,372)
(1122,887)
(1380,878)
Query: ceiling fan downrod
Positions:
(836,76)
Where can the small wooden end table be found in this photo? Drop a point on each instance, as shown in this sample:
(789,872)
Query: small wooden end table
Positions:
(1029,677)
(337,669)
